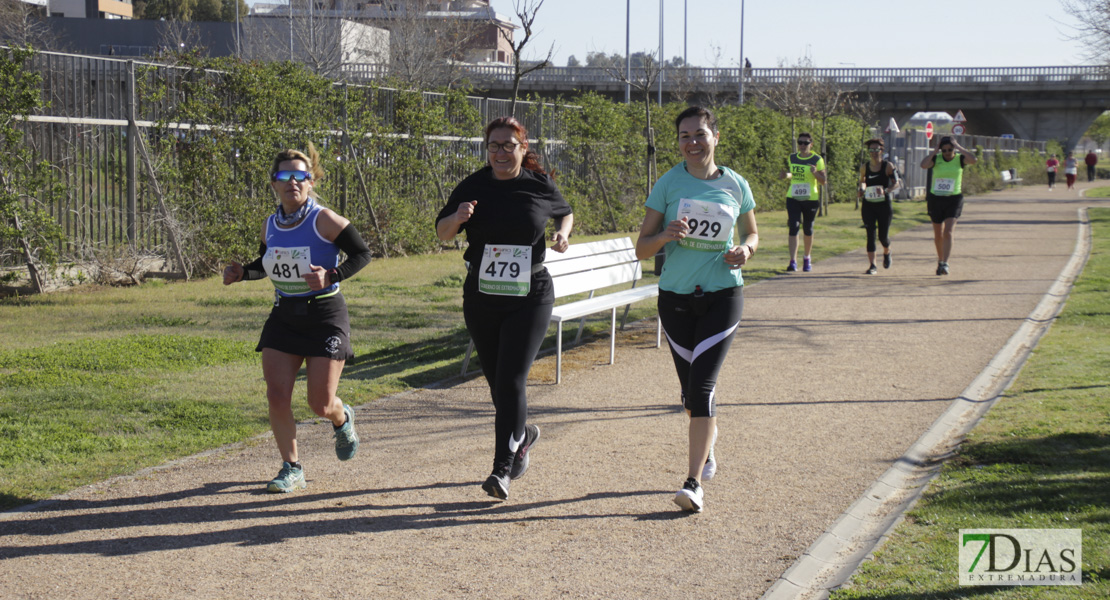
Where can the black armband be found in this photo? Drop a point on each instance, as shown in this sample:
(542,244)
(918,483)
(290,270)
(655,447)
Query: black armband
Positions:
(255,270)
(358,253)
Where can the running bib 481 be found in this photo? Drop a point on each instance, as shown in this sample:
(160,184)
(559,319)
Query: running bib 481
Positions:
(287,267)
(506,270)
(710,225)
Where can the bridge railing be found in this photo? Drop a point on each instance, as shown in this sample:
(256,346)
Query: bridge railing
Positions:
(572,76)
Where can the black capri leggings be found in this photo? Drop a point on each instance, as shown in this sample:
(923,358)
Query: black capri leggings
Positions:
(700,331)
(877,215)
(507,339)
(800,214)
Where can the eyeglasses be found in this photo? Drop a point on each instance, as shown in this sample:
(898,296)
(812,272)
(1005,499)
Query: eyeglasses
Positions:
(874,150)
(493,147)
(285,176)
(804,142)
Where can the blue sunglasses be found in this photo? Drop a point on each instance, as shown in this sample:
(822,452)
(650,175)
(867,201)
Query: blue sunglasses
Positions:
(291,175)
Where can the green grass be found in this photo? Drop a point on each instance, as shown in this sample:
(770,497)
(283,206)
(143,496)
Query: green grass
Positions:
(1099,192)
(99,381)
(1039,460)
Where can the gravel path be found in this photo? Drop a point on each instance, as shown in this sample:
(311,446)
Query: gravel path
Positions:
(834,375)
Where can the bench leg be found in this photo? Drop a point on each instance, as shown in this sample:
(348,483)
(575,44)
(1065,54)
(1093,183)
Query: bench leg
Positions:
(613,336)
(466,359)
(658,331)
(558,352)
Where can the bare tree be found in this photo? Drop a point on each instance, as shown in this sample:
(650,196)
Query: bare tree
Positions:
(1093,29)
(323,43)
(23,24)
(643,79)
(425,46)
(526,11)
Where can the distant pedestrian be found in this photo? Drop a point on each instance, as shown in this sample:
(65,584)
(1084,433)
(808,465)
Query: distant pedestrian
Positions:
(508,295)
(691,214)
(805,174)
(877,179)
(1071,169)
(944,193)
(1050,168)
(308,325)
(1091,160)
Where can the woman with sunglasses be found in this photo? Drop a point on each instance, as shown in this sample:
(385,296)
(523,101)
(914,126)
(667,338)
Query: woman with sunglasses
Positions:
(691,214)
(877,179)
(308,325)
(508,295)
(805,172)
(944,196)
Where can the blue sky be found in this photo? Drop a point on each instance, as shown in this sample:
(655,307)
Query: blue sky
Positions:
(833,33)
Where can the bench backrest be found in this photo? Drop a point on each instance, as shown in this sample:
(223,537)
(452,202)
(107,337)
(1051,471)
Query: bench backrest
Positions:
(1006,176)
(593,265)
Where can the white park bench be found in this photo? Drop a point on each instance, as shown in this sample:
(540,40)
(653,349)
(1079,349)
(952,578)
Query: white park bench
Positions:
(1009,177)
(590,267)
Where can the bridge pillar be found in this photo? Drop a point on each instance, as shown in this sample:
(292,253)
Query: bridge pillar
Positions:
(1064,125)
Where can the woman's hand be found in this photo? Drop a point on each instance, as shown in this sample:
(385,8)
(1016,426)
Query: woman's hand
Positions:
(559,242)
(737,256)
(317,279)
(233,273)
(466,210)
(676,230)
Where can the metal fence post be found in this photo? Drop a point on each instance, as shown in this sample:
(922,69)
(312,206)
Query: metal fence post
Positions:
(132,163)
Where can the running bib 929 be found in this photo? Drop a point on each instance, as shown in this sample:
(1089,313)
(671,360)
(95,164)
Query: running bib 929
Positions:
(944,186)
(710,225)
(873,192)
(506,270)
(799,191)
(287,267)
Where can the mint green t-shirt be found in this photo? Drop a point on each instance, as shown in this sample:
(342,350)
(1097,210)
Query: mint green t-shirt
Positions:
(713,206)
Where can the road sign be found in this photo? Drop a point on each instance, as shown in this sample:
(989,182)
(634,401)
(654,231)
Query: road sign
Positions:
(959,118)
(893,126)
(929,130)
(957,129)
(1007,136)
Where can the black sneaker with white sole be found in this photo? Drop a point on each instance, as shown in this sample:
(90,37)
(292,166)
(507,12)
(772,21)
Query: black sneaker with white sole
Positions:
(497,485)
(520,459)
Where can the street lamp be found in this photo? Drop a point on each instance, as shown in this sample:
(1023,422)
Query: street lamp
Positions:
(627,51)
(743,65)
(662,64)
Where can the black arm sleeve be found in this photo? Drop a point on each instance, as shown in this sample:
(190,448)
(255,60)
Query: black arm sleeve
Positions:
(358,253)
(255,270)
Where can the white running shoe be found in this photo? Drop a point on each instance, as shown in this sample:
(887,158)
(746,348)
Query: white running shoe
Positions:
(691,497)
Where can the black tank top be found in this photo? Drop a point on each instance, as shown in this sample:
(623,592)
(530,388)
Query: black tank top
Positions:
(880,178)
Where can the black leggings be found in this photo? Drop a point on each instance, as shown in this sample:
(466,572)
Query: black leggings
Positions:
(507,340)
(800,214)
(699,332)
(1051,178)
(877,215)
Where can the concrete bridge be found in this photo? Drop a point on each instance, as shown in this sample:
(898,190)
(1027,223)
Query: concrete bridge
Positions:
(1035,103)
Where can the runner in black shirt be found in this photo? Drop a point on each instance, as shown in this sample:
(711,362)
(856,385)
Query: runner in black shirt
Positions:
(508,295)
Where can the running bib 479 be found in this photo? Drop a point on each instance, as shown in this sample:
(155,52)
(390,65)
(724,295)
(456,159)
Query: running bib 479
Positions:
(287,267)
(506,270)
(710,225)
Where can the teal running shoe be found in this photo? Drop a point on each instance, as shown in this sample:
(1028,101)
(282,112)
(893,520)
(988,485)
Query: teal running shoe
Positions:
(346,440)
(289,478)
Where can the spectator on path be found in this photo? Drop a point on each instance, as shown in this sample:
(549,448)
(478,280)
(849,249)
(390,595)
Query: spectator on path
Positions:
(1091,160)
(691,213)
(877,179)
(1071,169)
(944,196)
(308,324)
(508,295)
(1050,167)
(805,174)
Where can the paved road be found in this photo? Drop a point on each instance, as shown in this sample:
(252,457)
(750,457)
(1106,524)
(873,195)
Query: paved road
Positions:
(835,374)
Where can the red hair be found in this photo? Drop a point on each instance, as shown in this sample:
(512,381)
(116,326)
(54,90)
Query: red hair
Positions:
(531,159)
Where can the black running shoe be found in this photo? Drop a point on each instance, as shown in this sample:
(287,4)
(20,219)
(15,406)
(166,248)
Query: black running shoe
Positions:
(497,486)
(886,260)
(942,268)
(870,270)
(520,460)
